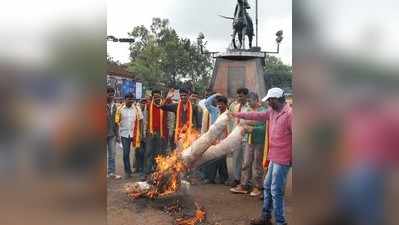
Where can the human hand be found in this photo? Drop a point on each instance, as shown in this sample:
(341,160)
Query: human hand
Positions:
(228,113)
(248,129)
(170,94)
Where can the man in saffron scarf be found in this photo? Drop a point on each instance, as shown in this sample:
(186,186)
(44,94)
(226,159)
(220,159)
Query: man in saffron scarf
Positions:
(238,106)
(254,140)
(126,119)
(157,132)
(186,114)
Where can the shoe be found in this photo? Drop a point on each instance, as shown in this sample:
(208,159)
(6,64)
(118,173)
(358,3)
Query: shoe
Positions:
(260,221)
(233,183)
(127,176)
(239,189)
(206,181)
(255,192)
(117,177)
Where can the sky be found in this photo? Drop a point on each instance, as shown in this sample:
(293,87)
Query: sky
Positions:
(190,17)
(341,24)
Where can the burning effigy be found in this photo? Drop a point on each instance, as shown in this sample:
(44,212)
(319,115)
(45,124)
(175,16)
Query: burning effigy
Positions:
(170,168)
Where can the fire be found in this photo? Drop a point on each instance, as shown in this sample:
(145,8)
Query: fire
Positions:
(167,177)
(187,137)
(199,217)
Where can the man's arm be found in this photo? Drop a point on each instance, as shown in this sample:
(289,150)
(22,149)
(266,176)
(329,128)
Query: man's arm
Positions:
(208,104)
(257,116)
(172,107)
(201,103)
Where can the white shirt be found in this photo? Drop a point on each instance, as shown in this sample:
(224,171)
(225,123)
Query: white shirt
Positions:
(201,103)
(128,117)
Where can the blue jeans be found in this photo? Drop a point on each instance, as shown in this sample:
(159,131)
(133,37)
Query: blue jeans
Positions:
(111,141)
(274,186)
(126,142)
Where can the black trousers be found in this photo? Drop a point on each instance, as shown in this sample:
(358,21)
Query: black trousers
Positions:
(139,158)
(218,166)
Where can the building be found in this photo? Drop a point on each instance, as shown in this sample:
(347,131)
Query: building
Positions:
(123,81)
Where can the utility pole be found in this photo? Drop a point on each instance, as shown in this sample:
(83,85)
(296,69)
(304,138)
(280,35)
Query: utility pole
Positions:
(256,12)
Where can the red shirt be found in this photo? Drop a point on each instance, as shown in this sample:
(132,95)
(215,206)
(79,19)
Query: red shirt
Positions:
(280,132)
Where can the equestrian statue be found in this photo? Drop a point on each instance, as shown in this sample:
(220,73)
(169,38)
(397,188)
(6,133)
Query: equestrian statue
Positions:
(242,25)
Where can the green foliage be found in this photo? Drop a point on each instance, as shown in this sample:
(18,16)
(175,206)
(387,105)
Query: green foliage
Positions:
(277,74)
(159,57)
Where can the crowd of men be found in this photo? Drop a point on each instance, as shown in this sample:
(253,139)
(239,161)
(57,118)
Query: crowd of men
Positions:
(152,127)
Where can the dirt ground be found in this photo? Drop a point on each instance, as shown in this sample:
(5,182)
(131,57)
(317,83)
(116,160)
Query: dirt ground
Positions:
(222,207)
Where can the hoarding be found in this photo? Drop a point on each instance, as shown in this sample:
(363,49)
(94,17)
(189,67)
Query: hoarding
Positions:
(123,86)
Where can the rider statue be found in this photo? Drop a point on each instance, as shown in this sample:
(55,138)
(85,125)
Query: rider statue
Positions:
(242,23)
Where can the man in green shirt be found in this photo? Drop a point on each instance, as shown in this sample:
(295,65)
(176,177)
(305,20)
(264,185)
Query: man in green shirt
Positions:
(254,141)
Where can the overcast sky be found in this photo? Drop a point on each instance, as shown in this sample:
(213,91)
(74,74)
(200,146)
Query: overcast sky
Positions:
(190,17)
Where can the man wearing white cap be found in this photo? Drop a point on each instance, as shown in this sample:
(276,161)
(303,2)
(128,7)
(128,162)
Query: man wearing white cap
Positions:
(279,117)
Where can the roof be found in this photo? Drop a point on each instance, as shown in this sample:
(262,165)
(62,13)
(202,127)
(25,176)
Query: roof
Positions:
(119,70)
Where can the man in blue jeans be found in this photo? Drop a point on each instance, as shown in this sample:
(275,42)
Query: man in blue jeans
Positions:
(278,117)
(111,133)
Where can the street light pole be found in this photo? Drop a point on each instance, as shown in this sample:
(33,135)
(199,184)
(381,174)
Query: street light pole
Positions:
(279,39)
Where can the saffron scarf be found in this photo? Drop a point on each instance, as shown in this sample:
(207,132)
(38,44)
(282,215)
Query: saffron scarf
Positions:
(266,147)
(157,112)
(180,126)
(137,130)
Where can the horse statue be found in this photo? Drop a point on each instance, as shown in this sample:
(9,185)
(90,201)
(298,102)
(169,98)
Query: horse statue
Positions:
(242,25)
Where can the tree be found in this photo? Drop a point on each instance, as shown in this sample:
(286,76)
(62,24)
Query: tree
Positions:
(277,74)
(159,56)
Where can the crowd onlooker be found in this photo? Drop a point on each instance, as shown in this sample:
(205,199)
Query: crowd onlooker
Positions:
(254,140)
(238,106)
(126,119)
(112,131)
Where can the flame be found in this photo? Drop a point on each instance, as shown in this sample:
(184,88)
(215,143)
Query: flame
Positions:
(199,216)
(187,137)
(167,177)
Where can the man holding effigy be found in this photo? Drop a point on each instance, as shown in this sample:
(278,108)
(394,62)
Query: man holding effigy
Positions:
(279,118)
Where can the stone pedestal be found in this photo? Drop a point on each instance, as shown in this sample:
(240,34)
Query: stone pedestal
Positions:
(238,69)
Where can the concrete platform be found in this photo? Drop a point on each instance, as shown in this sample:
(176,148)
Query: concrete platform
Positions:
(237,69)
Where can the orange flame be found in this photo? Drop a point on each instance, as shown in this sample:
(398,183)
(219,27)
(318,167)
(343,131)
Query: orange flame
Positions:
(200,215)
(167,177)
(187,137)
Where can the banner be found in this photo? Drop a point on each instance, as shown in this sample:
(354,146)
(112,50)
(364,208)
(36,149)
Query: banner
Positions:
(123,86)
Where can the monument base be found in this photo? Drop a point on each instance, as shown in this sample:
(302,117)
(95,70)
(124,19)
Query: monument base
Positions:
(236,69)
